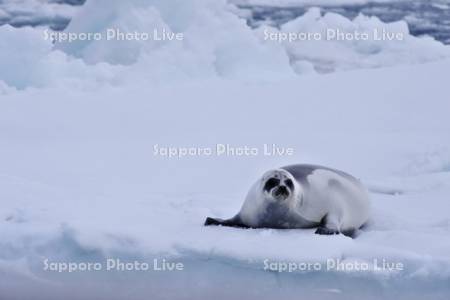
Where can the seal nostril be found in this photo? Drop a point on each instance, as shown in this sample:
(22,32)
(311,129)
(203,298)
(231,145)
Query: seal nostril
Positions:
(281,191)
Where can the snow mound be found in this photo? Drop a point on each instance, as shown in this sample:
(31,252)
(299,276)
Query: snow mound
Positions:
(215,41)
(216,44)
(27,59)
(337,43)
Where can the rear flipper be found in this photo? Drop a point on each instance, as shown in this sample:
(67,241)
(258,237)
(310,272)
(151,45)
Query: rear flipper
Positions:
(233,222)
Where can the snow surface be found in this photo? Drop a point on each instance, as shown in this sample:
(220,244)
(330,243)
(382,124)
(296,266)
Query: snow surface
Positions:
(79,180)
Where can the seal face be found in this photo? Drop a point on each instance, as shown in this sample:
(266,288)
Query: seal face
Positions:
(279,186)
(303,196)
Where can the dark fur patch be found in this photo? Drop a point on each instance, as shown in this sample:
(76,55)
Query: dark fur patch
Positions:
(271,183)
(233,222)
(326,231)
(289,184)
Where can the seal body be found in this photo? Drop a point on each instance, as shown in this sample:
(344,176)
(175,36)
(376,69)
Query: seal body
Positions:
(303,196)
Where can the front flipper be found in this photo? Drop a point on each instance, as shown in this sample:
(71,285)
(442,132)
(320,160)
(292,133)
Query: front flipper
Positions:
(233,222)
(328,225)
(326,231)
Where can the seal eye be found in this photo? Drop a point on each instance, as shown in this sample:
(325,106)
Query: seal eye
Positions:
(289,184)
(271,183)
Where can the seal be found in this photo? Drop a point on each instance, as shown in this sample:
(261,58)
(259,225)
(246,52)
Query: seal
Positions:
(303,196)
